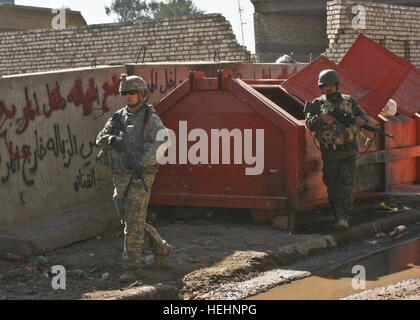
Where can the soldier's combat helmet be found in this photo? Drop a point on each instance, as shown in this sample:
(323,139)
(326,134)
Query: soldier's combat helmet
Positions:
(133,83)
(328,76)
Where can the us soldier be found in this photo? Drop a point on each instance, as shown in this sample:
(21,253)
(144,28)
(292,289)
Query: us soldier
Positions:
(339,147)
(132,195)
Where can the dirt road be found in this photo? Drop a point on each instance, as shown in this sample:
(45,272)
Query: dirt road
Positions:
(213,255)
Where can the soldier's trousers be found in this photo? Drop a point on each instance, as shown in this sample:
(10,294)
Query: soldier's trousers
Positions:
(132,210)
(339,177)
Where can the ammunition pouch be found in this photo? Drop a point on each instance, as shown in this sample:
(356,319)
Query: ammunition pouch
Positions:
(337,134)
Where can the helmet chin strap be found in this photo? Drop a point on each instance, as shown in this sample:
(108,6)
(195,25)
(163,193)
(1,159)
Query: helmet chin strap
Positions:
(139,101)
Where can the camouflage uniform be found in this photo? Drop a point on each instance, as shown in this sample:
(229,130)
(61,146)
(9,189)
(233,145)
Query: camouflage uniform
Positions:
(130,196)
(339,151)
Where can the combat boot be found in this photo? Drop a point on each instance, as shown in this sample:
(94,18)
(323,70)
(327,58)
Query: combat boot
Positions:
(130,276)
(162,253)
(131,273)
(342,224)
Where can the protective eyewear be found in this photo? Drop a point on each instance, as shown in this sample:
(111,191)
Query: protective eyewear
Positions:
(131,92)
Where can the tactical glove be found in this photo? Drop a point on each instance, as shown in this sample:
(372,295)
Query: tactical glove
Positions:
(116,143)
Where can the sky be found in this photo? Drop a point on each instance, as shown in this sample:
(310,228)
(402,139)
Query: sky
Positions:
(94,13)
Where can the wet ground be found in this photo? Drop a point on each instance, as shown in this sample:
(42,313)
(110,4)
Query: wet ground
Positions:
(399,263)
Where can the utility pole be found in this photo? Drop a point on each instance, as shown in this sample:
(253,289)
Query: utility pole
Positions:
(240,17)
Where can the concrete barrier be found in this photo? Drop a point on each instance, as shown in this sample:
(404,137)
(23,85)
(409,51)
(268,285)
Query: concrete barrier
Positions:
(48,125)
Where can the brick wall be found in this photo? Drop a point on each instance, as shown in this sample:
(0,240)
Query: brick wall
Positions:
(397,28)
(23,18)
(189,38)
(277,34)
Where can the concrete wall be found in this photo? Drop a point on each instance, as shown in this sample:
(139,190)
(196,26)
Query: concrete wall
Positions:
(49,122)
(48,126)
(394,27)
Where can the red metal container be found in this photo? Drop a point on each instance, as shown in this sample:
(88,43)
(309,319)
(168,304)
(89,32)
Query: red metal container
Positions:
(228,103)
(291,179)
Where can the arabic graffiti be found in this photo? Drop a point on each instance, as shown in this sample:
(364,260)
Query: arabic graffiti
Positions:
(78,97)
(62,143)
(5,114)
(168,83)
(25,159)
(85,179)
(33,108)
(112,89)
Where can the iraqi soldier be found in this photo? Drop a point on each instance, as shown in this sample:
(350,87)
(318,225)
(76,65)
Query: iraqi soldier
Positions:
(132,130)
(338,143)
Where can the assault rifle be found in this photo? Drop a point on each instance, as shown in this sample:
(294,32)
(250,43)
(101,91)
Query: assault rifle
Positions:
(131,159)
(344,119)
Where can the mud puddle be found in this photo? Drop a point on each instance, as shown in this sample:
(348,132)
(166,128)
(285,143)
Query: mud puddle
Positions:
(389,266)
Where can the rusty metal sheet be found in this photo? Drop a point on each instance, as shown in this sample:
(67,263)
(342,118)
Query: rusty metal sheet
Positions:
(378,68)
(304,84)
(407,95)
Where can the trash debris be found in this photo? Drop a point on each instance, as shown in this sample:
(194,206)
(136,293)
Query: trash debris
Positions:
(193,296)
(91,254)
(285,59)
(397,230)
(31,270)
(371,242)
(135,284)
(388,208)
(380,235)
(41,261)
(106,276)
(390,110)
(79,273)
(12,257)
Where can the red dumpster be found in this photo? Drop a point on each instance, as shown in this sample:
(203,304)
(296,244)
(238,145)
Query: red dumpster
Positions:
(263,119)
(258,128)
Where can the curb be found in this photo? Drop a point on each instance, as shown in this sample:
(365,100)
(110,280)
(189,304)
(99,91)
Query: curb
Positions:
(292,253)
(156,292)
